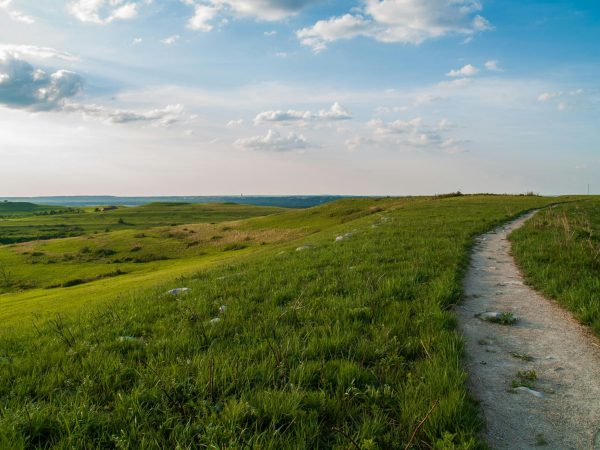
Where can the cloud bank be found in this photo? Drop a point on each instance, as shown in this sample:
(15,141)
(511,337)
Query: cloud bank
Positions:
(157,117)
(34,51)
(399,21)
(24,86)
(335,113)
(205,11)
(5,5)
(103,12)
(274,142)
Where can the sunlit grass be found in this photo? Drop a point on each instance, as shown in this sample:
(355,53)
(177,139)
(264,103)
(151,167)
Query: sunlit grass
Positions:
(345,344)
(559,253)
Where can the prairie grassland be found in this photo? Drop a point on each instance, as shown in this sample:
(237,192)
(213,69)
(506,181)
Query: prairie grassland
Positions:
(342,338)
(19,209)
(43,277)
(147,234)
(559,253)
(26,224)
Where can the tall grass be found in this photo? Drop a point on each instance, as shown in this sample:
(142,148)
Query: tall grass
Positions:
(344,344)
(559,253)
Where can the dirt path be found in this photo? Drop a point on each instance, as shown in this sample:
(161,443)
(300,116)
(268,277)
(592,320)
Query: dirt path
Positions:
(562,409)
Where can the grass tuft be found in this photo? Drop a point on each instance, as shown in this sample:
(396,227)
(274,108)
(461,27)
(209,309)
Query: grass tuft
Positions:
(525,378)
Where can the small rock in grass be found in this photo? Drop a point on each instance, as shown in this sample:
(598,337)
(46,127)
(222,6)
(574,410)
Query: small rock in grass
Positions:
(215,320)
(503,318)
(178,291)
(342,237)
(222,309)
(530,391)
(304,247)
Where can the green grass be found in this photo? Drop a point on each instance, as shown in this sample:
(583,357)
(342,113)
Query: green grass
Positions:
(89,220)
(522,356)
(540,440)
(19,209)
(128,254)
(348,344)
(505,318)
(147,240)
(559,253)
(525,378)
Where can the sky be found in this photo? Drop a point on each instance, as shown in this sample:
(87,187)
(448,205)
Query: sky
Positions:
(363,97)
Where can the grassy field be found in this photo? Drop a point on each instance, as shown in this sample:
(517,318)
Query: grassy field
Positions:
(110,263)
(15,209)
(31,225)
(559,253)
(339,335)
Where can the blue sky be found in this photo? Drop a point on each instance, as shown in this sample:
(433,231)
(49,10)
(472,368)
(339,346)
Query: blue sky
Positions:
(149,97)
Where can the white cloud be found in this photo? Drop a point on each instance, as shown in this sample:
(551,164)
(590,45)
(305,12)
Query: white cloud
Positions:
(335,113)
(235,123)
(356,142)
(26,87)
(453,146)
(402,21)
(396,127)
(408,134)
(5,5)
(274,141)
(137,41)
(171,39)
(559,97)
(547,96)
(492,66)
(390,109)
(284,117)
(445,125)
(480,23)
(203,15)
(167,116)
(466,71)
(36,52)
(270,33)
(427,98)
(270,10)
(104,11)
(458,83)
(22,86)
(324,32)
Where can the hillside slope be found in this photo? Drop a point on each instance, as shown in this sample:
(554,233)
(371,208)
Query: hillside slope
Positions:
(342,338)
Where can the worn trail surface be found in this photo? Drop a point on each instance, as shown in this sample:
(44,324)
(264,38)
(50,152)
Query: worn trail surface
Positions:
(562,408)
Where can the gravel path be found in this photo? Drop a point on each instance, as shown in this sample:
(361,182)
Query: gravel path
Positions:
(561,408)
